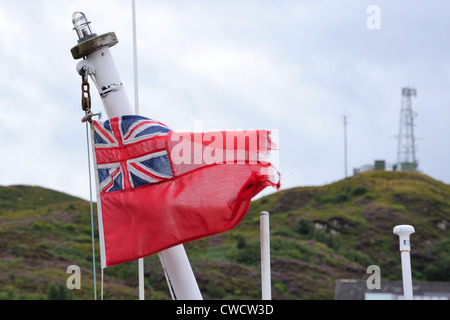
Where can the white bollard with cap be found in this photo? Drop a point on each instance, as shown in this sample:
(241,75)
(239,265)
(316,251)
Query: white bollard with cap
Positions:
(404,231)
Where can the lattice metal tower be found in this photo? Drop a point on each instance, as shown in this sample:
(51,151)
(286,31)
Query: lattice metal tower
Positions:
(406,156)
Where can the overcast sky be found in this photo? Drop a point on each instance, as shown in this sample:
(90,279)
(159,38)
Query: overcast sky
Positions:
(293,66)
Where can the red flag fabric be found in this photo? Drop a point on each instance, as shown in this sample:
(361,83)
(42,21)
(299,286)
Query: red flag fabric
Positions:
(158,188)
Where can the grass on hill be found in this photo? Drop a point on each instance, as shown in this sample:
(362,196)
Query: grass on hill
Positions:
(318,235)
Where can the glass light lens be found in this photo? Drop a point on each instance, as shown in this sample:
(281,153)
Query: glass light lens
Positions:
(81,25)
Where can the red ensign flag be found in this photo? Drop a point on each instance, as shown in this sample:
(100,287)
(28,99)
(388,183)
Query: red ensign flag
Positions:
(158,188)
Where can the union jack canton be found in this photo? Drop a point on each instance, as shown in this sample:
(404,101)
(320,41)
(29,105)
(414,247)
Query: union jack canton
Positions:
(123,158)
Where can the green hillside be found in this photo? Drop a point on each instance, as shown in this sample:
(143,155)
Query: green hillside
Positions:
(319,235)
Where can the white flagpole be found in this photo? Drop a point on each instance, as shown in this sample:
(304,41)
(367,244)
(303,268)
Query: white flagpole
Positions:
(404,231)
(136,106)
(180,274)
(265,256)
(141,279)
(100,64)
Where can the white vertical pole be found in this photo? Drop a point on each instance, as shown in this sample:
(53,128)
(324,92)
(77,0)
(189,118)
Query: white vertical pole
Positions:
(136,107)
(167,277)
(135,59)
(101,65)
(141,279)
(265,256)
(404,231)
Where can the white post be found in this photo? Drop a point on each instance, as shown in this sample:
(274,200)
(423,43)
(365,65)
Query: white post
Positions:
(135,58)
(404,231)
(265,256)
(99,61)
(141,279)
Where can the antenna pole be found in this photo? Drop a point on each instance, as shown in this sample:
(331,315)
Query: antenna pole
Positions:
(135,59)
(97,58)
(345,145)
(136,106)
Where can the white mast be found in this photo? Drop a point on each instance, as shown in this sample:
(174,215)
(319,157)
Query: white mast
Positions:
(265,256)
(98,62)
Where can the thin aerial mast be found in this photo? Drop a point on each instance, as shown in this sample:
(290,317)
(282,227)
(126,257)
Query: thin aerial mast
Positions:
(345,145)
